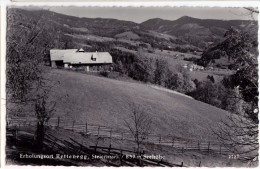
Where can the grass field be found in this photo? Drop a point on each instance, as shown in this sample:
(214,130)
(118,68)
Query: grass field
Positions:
(91,37)
(107,102)
(217,74)
(128,35)
(202,76)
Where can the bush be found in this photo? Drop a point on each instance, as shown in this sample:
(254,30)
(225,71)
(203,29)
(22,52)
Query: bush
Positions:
(144,67)
(215,94)
(104,73)
(161,66)
(193,59)
(179,80)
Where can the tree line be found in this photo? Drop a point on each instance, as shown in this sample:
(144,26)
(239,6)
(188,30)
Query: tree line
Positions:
(153,70)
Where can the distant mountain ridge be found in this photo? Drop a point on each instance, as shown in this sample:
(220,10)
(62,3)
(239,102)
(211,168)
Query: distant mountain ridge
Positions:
(161,25)
(187,30)
(198,31)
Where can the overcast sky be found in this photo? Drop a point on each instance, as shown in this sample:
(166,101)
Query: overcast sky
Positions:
(140,14)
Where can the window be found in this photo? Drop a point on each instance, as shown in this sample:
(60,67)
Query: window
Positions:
(93,58)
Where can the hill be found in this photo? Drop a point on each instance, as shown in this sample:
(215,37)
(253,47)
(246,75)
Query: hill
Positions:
(108,102)
(198,32)
(69,24)
(167,26)
(187,33)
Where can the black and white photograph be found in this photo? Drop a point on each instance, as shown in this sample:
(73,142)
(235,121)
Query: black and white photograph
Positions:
(132,86)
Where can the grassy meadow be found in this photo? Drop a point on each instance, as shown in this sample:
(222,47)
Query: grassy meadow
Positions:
(107,102)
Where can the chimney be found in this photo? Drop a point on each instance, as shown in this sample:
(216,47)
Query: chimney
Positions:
(81,50)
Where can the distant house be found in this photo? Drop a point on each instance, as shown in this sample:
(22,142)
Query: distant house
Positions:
(191,67)
(79,59)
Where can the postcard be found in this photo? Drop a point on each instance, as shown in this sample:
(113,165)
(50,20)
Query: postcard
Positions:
(132,86)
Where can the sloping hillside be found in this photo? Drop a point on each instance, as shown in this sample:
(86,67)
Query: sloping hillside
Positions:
(198,32)
(186,24)
(71,24)
(106,102)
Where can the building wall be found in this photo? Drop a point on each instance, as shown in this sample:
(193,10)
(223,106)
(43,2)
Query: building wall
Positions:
(53,64)
(97,68)
(93,68)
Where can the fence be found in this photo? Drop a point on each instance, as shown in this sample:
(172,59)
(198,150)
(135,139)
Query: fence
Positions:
(75,147)
(107,132)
